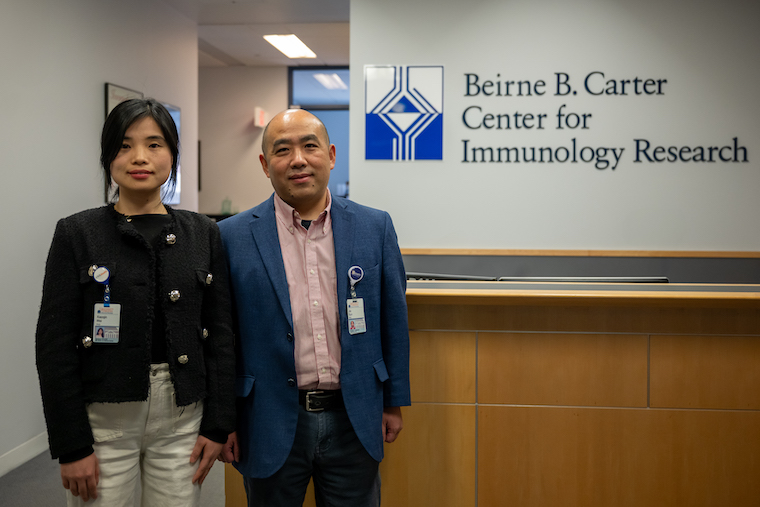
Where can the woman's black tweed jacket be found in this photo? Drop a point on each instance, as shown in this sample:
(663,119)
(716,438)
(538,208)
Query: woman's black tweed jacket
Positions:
(199,336)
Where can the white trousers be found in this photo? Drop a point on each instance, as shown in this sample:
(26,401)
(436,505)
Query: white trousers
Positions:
(148,440)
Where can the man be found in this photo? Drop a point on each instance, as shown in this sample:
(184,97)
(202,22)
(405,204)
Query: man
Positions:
(323,343)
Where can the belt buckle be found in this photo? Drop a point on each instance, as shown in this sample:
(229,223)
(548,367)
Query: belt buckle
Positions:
(308,402)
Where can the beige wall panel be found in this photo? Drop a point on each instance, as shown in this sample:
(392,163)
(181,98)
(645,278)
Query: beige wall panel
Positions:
(562,369)
(433,461)
(234,491)
(705,372)
(442,367)
(585,457)
(309,500)
(591,318)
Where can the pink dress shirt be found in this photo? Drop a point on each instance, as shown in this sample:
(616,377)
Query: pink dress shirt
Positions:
(309,257)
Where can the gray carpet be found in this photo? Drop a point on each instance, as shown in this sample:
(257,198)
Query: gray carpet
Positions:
(37,483)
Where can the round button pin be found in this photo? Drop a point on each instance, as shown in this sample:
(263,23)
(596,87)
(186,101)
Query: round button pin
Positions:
(101,275)
(355,274)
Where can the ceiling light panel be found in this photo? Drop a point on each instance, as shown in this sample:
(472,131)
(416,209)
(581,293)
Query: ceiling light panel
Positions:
(290,45)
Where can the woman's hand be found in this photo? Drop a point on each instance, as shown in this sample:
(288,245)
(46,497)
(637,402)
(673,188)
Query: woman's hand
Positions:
(207,450)
(81,477)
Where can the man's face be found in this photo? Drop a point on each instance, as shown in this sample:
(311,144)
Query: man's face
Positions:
(298,159)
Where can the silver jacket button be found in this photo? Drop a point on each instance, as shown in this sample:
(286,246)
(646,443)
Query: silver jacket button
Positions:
(182,359)
(209,279)
(174,296)
(171,239)
(87,342)
(205,333)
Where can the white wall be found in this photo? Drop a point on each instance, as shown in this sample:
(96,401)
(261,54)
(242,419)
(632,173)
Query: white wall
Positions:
(230,143)
(56,57)
(707,51)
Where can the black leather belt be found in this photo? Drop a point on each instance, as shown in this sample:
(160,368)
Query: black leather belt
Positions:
(319,401)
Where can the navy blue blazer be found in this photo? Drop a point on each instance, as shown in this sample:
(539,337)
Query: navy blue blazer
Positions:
(374,365)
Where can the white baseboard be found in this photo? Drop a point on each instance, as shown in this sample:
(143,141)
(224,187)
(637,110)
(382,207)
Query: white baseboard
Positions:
(23,453)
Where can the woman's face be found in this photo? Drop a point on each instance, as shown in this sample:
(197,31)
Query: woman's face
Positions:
(144,161)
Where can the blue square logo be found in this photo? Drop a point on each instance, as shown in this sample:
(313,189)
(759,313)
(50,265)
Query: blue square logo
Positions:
(403,112)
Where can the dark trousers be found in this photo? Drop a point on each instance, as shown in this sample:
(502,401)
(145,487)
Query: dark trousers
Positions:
(326,449)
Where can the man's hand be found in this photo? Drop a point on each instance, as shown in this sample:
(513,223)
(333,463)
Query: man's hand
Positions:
(207,450)
(392,423)
(231,450)
(81,477)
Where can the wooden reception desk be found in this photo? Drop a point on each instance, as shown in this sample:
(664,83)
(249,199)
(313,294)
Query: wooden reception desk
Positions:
(577,394)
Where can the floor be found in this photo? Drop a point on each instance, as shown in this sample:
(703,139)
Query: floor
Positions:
(38,483)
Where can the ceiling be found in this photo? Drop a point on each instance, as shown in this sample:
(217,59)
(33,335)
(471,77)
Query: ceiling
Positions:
(230,32)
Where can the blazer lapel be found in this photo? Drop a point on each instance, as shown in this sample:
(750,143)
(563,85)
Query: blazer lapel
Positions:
(264,230)
(343,239)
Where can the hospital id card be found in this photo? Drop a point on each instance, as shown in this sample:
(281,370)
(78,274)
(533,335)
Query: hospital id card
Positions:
(355,313)
(106,323)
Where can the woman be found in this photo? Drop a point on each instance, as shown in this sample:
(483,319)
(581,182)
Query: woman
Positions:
(152,396)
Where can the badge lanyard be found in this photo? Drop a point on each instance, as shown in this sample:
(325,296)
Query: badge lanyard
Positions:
(102,276)
(355,274)
(107,321)
(355,305)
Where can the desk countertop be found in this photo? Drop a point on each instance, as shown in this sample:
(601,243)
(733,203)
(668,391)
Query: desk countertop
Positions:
(575,293)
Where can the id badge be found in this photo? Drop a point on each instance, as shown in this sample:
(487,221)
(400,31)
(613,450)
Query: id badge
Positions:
(106,323)
(355,313)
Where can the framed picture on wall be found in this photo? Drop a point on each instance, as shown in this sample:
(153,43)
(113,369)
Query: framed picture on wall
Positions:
(116,94)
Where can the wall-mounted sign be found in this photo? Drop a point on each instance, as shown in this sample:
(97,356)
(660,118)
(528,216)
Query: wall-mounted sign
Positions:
(490,112)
